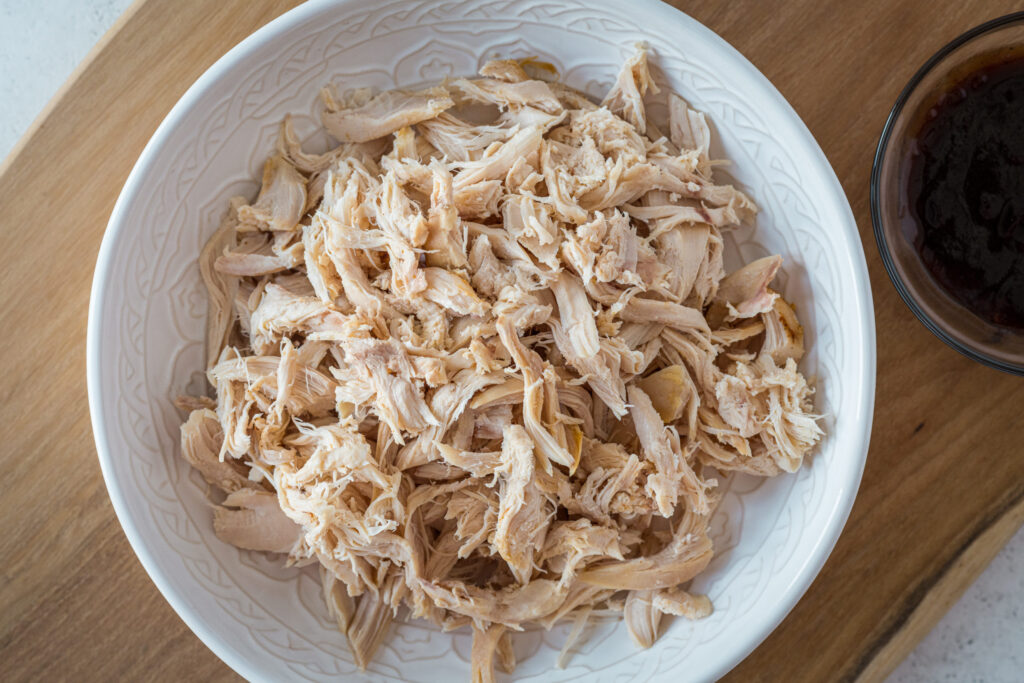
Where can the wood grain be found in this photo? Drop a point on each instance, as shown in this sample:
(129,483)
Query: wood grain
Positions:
(75,604)
(944,483)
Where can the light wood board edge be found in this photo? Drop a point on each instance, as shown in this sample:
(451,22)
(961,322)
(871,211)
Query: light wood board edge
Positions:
(933,597)
(39,121)
(928,601)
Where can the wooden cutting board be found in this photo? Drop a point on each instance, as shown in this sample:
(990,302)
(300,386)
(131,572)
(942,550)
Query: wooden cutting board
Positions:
(944,484)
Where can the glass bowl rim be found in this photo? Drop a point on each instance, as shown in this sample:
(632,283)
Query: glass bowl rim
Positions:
(876,211)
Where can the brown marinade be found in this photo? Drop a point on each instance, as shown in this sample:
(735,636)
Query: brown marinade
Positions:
(964,187)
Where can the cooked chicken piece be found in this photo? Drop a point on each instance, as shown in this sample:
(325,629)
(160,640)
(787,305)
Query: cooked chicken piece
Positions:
(606,249)
(689,131)
(618,142)
(355,283)
(642,618)
(479,200)
(490,275)
(676,316)
(386,368)
(406,230)
(783,334)
(746,291)
(532,117)
(531,224)
(459,140)
(282,199)
(485,646)
(578,403)
(611,470)
(189,404)
(483,369)
(792,429)
(711,423)
(233,410)
(528,93)
(736,407)
(508,70)
(449,402)
(281,313)
(201,439)
(372,620)
(524,514)
(253,520)
(405,148)
(520,266)
(475,512)
(261,256)
(682,604)
(644,608)
(340,604)
(559,183)
(221,288)
(451,291)
(571,544)
(686,555)
(511,606)
(309,391)
(490,423)
(669,391)
(385,114)
(506,654)
(495,164)
(602,370)
(290,148)
(251,265)
(624,185)
(529,365)
(672,473)
(709,273)
(481,464)
(572,98)
(322,277)
(727,336)
(509,391)
(625,99)
(445,244)
(664,217)
(576,315)
(578,596)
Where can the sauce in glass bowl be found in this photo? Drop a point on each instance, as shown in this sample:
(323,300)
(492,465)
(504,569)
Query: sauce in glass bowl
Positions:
(964,187)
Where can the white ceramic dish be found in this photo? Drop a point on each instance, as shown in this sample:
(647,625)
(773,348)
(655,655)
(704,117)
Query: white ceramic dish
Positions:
(148,308)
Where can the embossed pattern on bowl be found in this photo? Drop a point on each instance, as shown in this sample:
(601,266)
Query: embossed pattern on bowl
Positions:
(148,309)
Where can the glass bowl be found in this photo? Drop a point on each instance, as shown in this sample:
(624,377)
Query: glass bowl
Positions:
(949,320)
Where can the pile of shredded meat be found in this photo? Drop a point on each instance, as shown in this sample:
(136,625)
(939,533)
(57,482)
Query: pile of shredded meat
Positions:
(488,371)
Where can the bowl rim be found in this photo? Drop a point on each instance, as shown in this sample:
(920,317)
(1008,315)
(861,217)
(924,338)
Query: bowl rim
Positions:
(863,366)
(877,219)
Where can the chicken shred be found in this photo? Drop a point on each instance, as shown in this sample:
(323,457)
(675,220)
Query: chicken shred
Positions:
(490,371)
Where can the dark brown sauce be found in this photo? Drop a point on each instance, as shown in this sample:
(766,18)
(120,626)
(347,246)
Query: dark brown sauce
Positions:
(965,187)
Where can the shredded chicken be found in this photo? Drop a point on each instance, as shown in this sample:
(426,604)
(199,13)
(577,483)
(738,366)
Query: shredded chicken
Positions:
(488,371)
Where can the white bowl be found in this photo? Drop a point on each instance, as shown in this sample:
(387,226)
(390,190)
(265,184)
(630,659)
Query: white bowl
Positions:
(148,308)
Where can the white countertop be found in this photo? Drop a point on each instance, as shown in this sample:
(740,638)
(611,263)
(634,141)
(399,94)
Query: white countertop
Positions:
(980,639)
